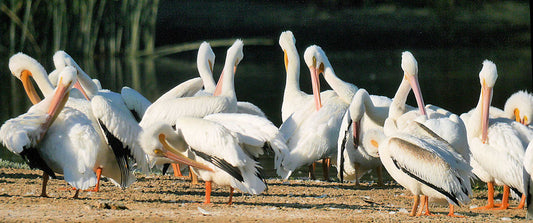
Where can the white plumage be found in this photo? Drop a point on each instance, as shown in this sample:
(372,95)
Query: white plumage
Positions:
(173,104)
(112,114)
(65,147)
(497,144)
(255,135)
(414,157)
(358,151)
(212,144)
(23,66)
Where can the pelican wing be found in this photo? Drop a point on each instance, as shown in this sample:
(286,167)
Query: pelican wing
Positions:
(249,108)
(136,103)
(170,110)
(429,162)
(22,131)
(255,133)
(185,89)
(344,142)
(119,124)
(211,138)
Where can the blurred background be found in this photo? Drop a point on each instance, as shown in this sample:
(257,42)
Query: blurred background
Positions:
(151,45)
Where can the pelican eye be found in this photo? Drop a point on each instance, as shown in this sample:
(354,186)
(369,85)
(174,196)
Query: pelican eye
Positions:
(158,152)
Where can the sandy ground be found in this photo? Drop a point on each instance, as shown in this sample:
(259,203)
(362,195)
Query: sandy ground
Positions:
(167,198)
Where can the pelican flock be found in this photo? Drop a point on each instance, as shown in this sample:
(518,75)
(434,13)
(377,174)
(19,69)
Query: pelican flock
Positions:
(83,132)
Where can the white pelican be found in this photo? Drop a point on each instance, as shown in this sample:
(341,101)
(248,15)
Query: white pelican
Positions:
(205,63)
(23,67)
(426,165)
(224,161)
(255,134)
(519,107)
(318,63)
(293,98)
(63,147)
(313,137)
(497,144)
(297,105)
(360,134)
(118,123)
(173,105)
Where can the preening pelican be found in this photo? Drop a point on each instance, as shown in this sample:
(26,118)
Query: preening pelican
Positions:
(116,120)
(106,163)
(497,144)
(205,63)
(55,138)
(172,105)
(223,160)
(425,165)
(360,134)
(293,98)
(255,134)
(519,107)
(311,135)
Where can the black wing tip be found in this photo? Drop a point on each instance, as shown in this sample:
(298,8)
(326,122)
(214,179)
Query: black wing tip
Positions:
(121,154)
(222,164)
(438,189)
(34,159)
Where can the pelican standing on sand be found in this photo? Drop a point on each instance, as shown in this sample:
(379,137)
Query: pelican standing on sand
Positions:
(360,134)
(497,144)
(221,158)
(107,164)
(116,120)
(313,136)
(425,165)
(55,138)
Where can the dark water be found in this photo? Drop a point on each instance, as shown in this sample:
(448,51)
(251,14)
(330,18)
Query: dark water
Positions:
(448,77)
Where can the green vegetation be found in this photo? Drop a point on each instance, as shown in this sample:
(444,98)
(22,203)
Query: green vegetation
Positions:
(90,26)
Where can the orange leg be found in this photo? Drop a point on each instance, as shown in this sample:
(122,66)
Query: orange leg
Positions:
(45,181)
(452,214)
(326,163)
(490,198)
(207,192)
(424,207)
(522,202)
(98,176)
(428,213)
(312,171)
(177,171)
(230,195)
(505,198)
(194,177)
(415,205)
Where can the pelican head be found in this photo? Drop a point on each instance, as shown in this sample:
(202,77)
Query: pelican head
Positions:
(158,142)
(287,42)
(66,81)
(23,67)
(357,110)
(205,54)
(487,79)
(61,60)
(410,73)
(520,107)
(315,58)
(234,55)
